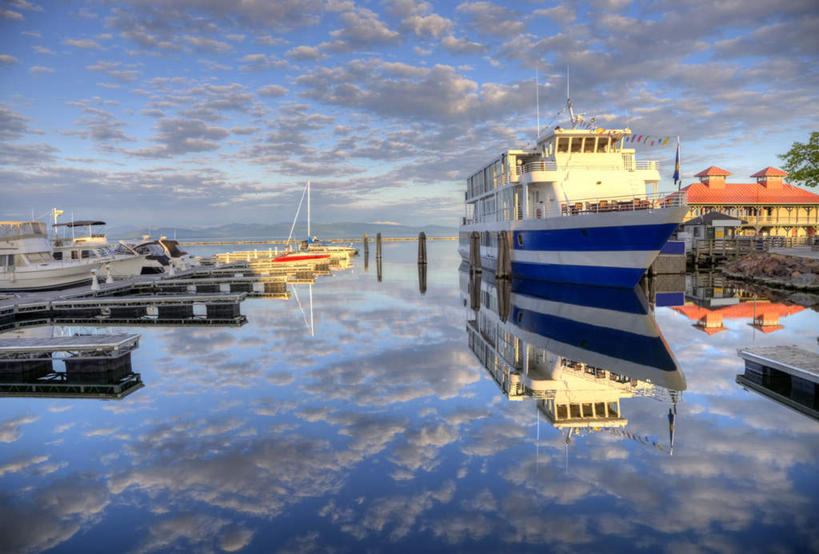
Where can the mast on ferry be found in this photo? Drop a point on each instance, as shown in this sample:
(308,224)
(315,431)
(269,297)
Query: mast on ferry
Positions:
(574,119)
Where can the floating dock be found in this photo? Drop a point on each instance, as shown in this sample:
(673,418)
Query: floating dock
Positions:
(61,385)
(785,374)
(83,353)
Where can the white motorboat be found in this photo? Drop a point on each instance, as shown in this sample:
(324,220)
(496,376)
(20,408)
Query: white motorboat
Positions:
(118,259)
(161,254)
(27,263)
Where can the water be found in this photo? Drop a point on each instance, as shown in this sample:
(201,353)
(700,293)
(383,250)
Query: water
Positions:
(379,430)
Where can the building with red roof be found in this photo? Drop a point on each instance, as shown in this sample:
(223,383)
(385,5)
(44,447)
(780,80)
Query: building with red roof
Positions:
(764,315)
(768,206)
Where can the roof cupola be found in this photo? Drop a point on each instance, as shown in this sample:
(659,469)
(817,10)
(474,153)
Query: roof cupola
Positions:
(770,177)
(713,177)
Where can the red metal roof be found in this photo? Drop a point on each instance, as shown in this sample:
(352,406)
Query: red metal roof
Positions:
(770,172)
(713,170)
(742,310)
(748,193)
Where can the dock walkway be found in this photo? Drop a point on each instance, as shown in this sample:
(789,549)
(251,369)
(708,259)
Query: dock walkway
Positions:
(787,359)
(785,374)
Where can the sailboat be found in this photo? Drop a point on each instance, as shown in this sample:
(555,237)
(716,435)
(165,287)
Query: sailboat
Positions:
(313,245)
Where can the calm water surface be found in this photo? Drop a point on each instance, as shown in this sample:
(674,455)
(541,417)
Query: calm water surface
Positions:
(381,430)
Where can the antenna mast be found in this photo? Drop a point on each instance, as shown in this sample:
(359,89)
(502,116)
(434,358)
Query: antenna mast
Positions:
(569,100)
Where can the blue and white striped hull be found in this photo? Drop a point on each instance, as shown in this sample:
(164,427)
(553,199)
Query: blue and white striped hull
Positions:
(612,249)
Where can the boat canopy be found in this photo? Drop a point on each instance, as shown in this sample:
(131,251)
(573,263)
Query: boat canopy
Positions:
(14,229)
(81,223)
(173,248)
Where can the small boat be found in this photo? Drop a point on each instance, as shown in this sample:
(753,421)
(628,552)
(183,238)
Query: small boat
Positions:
(337,253)
(27,261)
(117,259)
(575,209)
(299,256)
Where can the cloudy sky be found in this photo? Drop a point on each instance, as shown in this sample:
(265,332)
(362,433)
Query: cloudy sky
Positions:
(190,112)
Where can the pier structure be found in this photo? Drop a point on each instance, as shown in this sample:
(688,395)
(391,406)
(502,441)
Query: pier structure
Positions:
(82,354)
(786,374)
(96,366)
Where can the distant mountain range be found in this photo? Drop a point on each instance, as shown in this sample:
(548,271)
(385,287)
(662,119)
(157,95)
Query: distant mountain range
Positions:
(277,231)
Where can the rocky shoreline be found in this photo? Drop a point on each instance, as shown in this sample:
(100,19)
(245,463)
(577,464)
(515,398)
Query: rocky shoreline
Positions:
(776,271)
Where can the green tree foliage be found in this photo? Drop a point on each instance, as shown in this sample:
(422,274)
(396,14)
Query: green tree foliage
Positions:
(802,162)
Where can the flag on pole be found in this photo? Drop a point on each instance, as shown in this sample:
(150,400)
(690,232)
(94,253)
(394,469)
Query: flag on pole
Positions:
(677,165)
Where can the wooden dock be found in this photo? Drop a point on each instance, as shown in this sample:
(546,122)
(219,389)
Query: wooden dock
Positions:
(199,296)
(786,374)
(62,385)
(81,354)
(787,359)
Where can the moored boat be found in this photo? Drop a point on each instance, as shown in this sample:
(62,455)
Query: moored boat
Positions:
(117,259)
(27,262)
(575,209)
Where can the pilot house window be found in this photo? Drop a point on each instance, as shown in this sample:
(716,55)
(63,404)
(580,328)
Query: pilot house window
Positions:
(577,144)
(563,144)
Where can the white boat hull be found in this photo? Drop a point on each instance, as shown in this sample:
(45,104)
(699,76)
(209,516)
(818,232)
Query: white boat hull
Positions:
(47,276)
(607,249)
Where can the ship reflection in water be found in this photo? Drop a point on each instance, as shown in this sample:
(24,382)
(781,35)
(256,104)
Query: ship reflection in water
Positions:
(577,350)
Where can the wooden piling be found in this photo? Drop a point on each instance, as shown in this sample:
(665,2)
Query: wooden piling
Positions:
(422,278)
(422,248)
(378,246)
(504,261)
(475,252)
(366,244)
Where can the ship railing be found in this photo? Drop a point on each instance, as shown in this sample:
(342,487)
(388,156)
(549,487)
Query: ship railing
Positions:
(539,166)
(623,203)
(629,163)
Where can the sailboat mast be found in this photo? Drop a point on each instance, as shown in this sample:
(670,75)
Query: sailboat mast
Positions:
(537,101)
(308,211)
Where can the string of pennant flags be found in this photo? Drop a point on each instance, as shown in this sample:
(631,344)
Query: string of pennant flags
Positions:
(650,140)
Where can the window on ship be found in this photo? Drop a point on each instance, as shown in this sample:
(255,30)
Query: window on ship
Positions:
(577,144)
(563,144)
(603,144)
(588,145)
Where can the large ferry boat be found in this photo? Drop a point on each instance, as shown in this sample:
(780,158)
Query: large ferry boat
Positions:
(575,209)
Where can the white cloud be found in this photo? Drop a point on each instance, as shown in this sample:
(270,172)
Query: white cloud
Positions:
(86,44)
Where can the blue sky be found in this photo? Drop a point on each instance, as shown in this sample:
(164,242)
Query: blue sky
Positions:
(203,112)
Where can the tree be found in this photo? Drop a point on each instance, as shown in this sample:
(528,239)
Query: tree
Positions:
(802,162)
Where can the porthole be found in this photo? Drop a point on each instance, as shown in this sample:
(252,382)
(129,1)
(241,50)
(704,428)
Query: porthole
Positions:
(520,317)
(520,239)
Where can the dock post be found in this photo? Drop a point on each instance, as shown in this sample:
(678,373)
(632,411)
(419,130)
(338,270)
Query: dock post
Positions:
(504,298)
(378,246)
(108,278)
(475,290)
(378,267)
(366,242)
(422,248)
(422,278)
(504,262)
(475,252)
(95,285)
